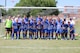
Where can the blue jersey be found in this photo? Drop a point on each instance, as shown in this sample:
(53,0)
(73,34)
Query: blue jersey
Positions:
(34,25)
(15,25)
(55,26)
(38,19)
(23,26)
(45,24)
(72,30)
(65,28)
(29,26)
(50,26)
(39,26)
(26,20)
(59,24)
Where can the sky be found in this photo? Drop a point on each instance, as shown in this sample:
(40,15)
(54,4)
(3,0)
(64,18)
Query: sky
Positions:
(60,3)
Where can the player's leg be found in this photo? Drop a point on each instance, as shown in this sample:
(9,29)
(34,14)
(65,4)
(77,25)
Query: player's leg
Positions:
(23,34)
(57,32)
(30,34)
(49,34)
(66,35)
(35,34)
(12,36)
(40,33)
(6,32)
(52,34)
(17,35)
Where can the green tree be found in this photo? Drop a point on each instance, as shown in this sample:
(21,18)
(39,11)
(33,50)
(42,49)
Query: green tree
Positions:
(34,3)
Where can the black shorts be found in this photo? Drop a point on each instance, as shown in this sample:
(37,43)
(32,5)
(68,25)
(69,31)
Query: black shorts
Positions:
(8,29)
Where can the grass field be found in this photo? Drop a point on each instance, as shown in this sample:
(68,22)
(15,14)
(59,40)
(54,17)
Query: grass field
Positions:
(40,46)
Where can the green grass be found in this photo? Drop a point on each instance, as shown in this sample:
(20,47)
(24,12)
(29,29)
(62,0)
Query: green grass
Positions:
(77,26)
(40,46)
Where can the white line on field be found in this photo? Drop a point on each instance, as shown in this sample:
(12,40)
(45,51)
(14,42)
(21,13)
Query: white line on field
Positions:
(19,47)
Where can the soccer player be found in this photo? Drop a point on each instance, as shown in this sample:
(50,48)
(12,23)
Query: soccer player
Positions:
(64,31)
(72,31)
(30,29)
(59,30)
(26,22)
(35,29)
(50,29)
(8,26)
(23,28)
(19,23)
(45,27)
(54,27)
(39,18)
(72,22)
(39,29)
(31,19)
(15,29)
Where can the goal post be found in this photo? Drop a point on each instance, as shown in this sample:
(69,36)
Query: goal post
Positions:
(40,7)
(63,12)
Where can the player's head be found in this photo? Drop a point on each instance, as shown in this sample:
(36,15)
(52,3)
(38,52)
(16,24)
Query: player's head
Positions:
(18,16)
(22,20)
(39,16)
(16,20)
(68,22)
(39,22)
(25,16)
(58,19)
(64,19)
(54,20)
(34,20)
(44,17)
(70,19)
(62,22)
(9,17)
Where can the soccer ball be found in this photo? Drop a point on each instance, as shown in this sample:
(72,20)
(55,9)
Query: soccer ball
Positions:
(4,37)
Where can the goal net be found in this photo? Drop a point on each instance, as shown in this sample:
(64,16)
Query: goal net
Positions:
(62,12)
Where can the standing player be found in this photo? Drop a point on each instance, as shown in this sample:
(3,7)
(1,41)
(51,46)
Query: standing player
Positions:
(72,31)
(59,30)
(54,27)
(35,29)
(26,23)
(64,31)
(39,29)
(19,23)
(39,18)
(15,29)
(30,29)
(45,27)
(23,28)
(50,29)
(8,26)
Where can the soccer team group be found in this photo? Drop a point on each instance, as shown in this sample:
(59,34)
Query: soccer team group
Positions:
(44,27)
